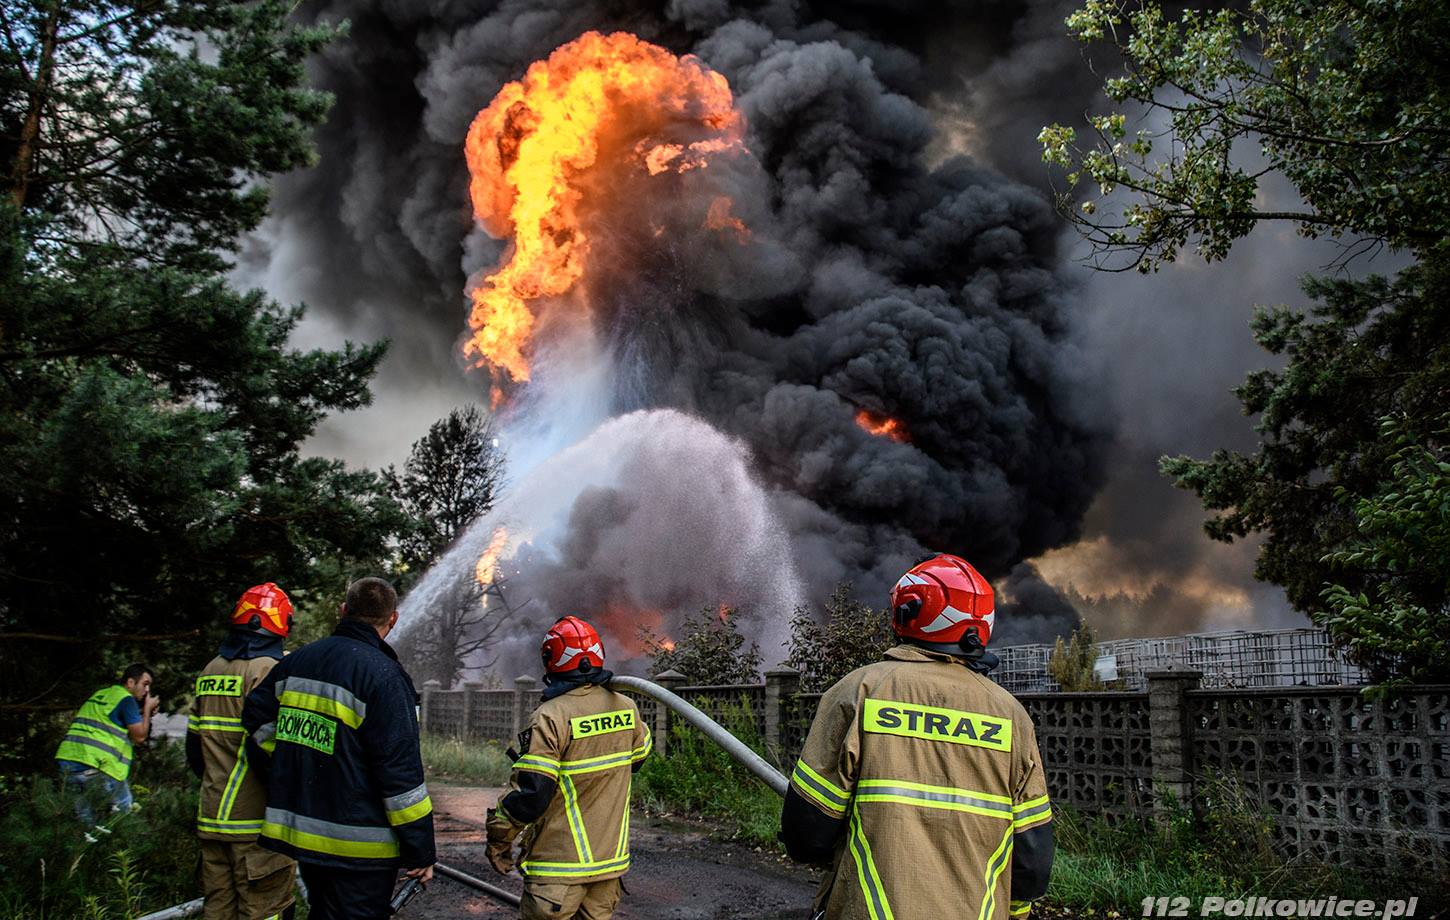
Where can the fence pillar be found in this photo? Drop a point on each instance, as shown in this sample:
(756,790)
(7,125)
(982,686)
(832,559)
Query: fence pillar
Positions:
(1170,741)
(671,680)
(781,683)
(523,686)
(470,707)
(425,708)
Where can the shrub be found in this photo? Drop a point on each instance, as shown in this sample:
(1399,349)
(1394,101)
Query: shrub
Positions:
(467,761)
(698,777)
(48,870)
(849,635)
(1071,663)
(1226,850)
(710,650)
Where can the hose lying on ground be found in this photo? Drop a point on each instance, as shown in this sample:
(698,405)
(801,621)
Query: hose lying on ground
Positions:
(493,891)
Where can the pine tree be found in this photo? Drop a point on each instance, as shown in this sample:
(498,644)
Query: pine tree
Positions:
(150,415)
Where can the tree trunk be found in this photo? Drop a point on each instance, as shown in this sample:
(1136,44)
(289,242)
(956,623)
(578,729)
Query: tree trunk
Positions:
(39,96)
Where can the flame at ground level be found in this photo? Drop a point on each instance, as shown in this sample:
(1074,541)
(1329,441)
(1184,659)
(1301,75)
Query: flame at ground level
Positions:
(625,629)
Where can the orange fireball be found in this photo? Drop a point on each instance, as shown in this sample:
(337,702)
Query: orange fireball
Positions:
(596,100)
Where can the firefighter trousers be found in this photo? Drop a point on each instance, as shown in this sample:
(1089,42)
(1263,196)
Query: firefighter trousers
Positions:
(242,881)
(556,901)
(348,894)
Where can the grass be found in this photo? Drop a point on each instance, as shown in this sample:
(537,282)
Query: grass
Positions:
(465,762)
(699,778)
(1113,866)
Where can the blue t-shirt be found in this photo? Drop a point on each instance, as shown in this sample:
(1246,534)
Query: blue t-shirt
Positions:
(126,714)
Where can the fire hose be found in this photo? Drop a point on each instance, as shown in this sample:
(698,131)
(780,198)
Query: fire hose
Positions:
(706,725)
(709,728)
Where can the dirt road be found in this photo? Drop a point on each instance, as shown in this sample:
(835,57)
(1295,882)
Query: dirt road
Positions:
(679,872)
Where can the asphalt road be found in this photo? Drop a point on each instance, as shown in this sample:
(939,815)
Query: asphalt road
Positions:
(680,871)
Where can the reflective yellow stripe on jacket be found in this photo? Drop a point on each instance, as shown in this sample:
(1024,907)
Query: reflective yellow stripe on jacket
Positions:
(996,865)
(588,741)
(820,790)
(1031,813)
(576,820)
(408,806)
(920,795)
(944,797)
(329,838)
(215,724)
(322,698)
(540,869)
(876,903)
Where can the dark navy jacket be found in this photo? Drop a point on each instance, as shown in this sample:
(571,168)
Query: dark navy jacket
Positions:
(334,727)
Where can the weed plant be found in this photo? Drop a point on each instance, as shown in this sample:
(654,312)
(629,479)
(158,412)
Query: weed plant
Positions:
(1225,850)
(697,777)
(49,871)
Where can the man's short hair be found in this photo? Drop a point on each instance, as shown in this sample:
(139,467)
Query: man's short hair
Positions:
(371,600)
(136,672)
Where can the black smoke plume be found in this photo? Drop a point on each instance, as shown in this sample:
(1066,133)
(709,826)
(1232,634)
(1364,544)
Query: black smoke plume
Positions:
(884,275)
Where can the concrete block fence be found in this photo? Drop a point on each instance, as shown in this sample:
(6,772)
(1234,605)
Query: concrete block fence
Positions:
(1342,779)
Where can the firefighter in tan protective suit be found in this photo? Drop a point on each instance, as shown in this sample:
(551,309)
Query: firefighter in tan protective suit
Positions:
(920,783)
(569,793)
(241,880)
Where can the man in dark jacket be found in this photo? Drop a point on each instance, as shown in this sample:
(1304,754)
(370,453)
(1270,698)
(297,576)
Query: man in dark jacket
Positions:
(335,727)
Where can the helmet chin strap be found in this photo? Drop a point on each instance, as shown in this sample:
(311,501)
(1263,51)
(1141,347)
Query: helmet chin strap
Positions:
(969,648)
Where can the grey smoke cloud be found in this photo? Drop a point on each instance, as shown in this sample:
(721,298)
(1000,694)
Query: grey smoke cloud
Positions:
(1165,350)
(651,517)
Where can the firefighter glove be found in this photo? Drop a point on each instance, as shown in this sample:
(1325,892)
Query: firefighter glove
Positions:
(501,856)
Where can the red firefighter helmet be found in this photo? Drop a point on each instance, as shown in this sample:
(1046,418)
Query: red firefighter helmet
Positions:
(940,599)
(264,607)
(568,644)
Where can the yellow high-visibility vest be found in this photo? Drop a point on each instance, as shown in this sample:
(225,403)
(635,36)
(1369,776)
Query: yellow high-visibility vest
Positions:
(93,739)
